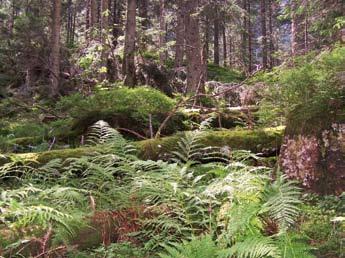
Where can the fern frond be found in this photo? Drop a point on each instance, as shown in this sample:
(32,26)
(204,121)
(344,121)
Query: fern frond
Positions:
(201,247)
(39,215)
(292,246)
(254,247)
(281,200)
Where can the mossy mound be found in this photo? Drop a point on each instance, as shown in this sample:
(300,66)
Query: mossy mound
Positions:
(222,74)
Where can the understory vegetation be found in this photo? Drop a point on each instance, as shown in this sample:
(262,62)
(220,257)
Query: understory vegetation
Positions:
(202,202)
(172,129)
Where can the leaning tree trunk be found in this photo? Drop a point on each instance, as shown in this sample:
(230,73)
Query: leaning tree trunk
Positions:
(128,67)
(55,48)
(195,66)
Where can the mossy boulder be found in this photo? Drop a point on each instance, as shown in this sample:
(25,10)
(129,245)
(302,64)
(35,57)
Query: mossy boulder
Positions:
(313,150)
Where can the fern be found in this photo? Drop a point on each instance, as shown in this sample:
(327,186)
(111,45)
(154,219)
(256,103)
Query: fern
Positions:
(40,215)
(253,247)
(201,247)
(281,200)
(102,133)
(292,246)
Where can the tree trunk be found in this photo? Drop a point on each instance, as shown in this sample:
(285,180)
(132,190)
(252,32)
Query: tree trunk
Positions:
(250,47)
(263,33)
(55,48)
(294,36)
(162,32)
(271,37)
(143,14)
(207,36)
(180,35)
(195,66)
(130,38)
(225,54)
(104,34)
(244,37)
(69,24)
(216,40)
(231,50)
(93,13)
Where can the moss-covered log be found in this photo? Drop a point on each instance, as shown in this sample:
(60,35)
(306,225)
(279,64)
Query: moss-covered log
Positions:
(253,140)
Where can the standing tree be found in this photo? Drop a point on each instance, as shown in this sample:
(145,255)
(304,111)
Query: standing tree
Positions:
(195,65)
(216,37)
(162,28)
(263,33)
(104,36)
(55,48)
(128,67)
(180,34)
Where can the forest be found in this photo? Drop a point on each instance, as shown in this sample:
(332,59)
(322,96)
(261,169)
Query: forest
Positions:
(172,129)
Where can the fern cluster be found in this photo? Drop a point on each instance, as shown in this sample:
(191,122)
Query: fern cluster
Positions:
(180,205)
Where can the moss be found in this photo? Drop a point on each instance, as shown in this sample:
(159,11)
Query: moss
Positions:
(253,140)
(222,74)
(313,118)
(45,157)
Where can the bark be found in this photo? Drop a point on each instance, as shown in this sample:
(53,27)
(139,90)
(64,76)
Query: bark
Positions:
(55,48)
(162,28)
(231,49)
(225,54)
(195,66)
(249,30)
(143,14)
(93,13)
(69,21)
(207,36)
(180,35)
(271,36)
(293,30)
(244,37)
(104,34)
(263,33)
(130,38)
(216,41)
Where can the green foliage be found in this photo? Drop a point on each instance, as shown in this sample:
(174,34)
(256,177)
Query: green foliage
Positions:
(151,204)
(221,74)
(120,106)
(201,247)
(116,250)
(313,83)
(138,102)
(254,247)
(282,200)
(319,224)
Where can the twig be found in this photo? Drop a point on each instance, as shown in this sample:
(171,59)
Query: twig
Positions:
(52,144)
(150,125)
(132,132)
